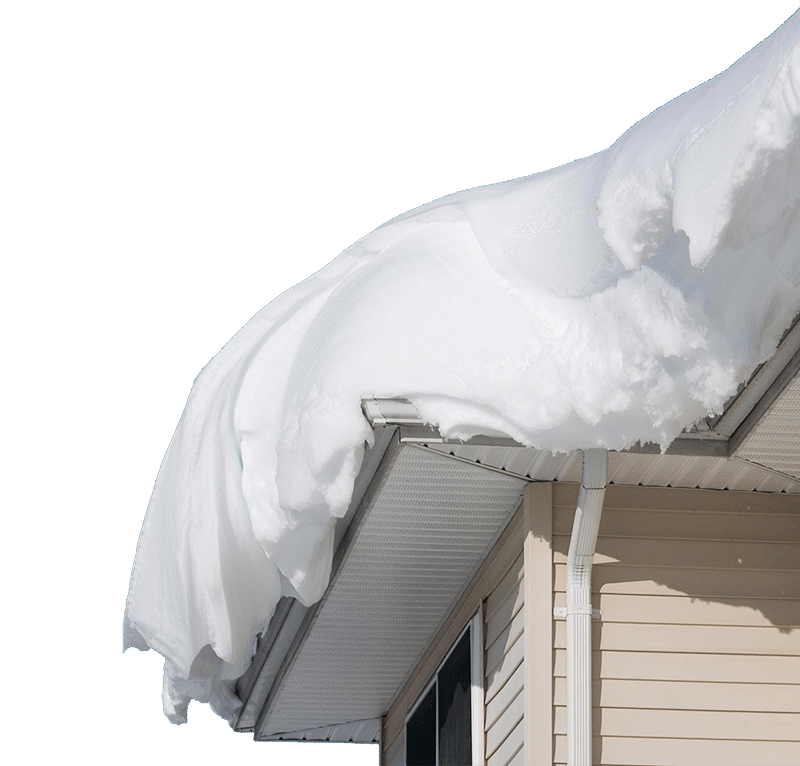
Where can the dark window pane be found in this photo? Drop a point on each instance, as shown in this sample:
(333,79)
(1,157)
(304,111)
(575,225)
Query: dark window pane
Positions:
(421,733)
(455,708)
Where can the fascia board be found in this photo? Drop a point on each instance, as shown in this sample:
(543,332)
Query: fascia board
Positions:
(289,622)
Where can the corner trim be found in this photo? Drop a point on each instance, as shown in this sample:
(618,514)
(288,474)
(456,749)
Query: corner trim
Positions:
(538,584)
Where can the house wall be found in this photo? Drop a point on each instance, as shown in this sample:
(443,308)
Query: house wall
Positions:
(697,656)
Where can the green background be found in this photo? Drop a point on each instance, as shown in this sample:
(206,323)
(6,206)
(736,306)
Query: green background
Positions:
(170,167)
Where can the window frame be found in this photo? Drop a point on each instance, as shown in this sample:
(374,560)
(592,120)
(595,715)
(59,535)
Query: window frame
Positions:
(475,626)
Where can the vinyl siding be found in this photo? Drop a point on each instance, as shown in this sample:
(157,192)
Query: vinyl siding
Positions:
(503,667)
(697,656)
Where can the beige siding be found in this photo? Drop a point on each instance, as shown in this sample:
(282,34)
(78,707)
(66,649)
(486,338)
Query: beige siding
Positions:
(503,667)
(519,640)
(697,655)
(631,751)
(510,751)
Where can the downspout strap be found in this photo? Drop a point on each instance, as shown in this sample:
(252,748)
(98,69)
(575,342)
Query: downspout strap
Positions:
(561,612)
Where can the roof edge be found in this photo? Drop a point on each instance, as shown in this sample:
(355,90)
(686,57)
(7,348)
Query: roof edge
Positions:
(279,653)
(715,437)
(291,618)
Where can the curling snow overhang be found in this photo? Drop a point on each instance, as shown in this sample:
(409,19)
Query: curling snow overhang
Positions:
(620,297)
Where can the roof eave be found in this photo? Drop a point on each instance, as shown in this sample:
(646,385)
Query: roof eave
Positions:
(396,420)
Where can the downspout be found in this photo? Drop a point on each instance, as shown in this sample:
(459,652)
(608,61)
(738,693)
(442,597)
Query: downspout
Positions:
(579,606)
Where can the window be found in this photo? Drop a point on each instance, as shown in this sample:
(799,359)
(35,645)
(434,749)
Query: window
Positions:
(440,731)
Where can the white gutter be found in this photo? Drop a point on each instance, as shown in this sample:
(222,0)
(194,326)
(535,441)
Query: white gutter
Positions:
(384,412)
(579,606)
(391,412)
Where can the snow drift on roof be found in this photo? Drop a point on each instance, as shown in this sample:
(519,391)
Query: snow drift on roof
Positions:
(616,299)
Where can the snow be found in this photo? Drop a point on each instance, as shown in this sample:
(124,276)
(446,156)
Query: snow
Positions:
(616,299)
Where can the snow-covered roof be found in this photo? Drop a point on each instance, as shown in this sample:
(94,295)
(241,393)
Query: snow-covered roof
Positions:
(613,301)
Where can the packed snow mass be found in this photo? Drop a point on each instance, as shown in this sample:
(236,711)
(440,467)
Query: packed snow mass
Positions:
(614,300)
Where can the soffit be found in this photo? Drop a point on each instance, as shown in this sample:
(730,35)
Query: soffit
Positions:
(420,536)
(774,441)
